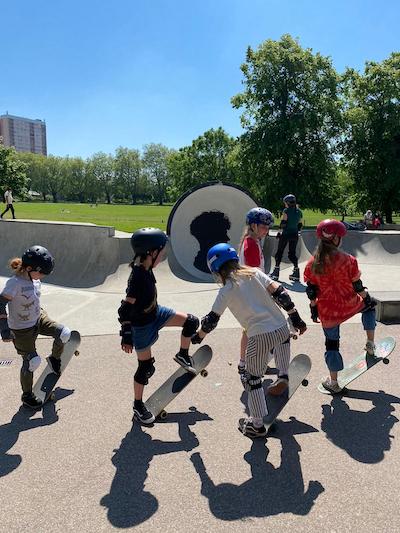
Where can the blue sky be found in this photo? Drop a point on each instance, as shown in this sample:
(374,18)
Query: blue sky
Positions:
(131,72)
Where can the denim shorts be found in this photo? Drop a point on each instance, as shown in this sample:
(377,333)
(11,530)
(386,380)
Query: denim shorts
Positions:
(145,336)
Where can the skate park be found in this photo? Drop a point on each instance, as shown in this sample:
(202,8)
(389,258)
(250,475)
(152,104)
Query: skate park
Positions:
(81,465)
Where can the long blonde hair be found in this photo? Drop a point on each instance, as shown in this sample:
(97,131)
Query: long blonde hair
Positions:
(248,232)
(323,255)
(234,271)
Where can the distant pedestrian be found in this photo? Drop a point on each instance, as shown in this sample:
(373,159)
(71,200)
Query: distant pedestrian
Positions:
(8,199)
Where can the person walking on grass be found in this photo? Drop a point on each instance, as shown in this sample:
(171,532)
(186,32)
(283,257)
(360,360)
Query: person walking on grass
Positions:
(8,200)
(336,293)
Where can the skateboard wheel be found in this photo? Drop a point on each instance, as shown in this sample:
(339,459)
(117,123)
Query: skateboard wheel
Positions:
(163,415)
(204,373)
(385,360)
(304,382)
(76,353)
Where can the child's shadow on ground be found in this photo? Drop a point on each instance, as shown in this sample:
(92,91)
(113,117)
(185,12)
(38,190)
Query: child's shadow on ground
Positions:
(22,421)
(365,436)
(128,503)
(270,490)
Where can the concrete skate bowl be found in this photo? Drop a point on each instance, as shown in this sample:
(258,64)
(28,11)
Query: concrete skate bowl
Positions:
(206,215)
(85,254)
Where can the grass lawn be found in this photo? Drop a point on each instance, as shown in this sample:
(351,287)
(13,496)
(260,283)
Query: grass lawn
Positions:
(128,217)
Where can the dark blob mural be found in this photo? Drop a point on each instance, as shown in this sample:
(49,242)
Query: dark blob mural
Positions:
(209,228)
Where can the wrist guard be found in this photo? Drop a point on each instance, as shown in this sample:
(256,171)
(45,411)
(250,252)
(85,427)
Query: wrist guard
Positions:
(299,226)
(126,334)
(282,298)
(196,339)
(311,291)
(297,322)
(358,286)
(5,332)
(369,302)
(314,313)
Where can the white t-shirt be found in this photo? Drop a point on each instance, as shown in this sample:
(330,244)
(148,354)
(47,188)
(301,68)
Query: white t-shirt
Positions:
(24,308)
(8,197)
(251,304)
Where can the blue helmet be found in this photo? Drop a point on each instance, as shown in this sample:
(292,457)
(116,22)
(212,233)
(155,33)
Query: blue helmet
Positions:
(259,215)
(290,199)
(220,254)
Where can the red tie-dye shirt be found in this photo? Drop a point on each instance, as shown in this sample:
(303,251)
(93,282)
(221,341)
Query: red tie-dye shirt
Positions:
(337,300)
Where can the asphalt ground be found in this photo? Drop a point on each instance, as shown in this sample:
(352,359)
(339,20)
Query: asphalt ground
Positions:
(81,465)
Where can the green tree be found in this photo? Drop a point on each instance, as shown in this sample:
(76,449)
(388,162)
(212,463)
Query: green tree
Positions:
(372,143)
(101,167)
(155,167)
(127,172)
(292,119)
(12,171)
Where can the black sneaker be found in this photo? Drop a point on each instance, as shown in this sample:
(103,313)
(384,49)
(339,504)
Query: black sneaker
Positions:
(247,427)
(30,400)
(186,362)
(142,413)
(274,275)
(55,364)
(295,275)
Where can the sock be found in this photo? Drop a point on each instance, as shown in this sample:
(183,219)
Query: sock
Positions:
(284,376)
(184,351)
(138,403)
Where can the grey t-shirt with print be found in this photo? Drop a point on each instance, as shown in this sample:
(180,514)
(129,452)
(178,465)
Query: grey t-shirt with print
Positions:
(24,308)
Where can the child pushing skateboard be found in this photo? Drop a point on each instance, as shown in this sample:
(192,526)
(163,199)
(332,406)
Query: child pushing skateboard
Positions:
(336,293)
(255,301)
(26,319)
(141,317)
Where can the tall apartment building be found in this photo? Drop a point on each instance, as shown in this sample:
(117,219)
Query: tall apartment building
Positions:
(25,134)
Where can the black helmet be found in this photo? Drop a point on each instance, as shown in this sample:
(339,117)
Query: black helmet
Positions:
(146,240)
(39,259)
(290,199)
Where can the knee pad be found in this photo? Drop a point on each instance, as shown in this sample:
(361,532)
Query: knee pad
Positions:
(251,382)
(64,334)
(30,363)
(190,325)
(332,345)
(144,371)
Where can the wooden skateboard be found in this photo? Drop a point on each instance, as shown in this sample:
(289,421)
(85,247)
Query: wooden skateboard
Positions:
(43,388)
(299,369)
(362,363)
(179,380)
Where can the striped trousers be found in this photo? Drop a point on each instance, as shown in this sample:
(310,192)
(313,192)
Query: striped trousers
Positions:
(257,357)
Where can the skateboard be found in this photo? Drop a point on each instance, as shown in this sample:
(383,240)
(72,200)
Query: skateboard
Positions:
(299,368)
(362,363)
(43,388)
(179,380)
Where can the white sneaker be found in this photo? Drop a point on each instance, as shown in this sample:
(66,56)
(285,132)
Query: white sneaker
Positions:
(331,387)
(370,348)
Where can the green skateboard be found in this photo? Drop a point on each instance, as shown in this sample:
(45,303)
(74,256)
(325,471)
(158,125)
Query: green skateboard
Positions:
(362,363)
(299,369)
(43,388)
(179,380)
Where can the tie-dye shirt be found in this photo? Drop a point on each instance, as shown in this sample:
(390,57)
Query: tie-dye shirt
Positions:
(337,300)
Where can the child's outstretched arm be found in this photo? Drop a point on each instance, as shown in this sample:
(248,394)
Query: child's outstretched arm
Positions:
(124,313)
(208,323)
(282,298)
(6,333)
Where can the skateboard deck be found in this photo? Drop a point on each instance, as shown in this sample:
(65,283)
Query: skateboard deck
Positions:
(43,388)
(299,368)
(179,380)
(362,363)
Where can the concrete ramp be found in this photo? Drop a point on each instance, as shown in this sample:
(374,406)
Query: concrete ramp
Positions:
(85,254)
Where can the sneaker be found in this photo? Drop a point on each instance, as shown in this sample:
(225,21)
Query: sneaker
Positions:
(247,427)
(278,387)
(55,364)
(331,387)
(295,275)
(186,362)
(370,348)
(141,412)
(274,275)
(29,399)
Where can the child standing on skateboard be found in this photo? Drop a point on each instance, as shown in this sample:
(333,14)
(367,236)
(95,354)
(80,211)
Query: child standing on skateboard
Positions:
(291,224)
(141,317)
(258,222)
(255,300)
(336,293)
(26,319)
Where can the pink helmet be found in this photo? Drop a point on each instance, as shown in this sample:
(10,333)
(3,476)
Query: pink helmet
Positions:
(329,228)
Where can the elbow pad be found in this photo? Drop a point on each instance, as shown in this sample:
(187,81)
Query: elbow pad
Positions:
(282,298)
(125,312)
(3,305)
(283,224)
(209,322)
(311,291)
(358,286)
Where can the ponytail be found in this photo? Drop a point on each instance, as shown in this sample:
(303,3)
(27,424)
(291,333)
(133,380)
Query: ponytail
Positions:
(322,256)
